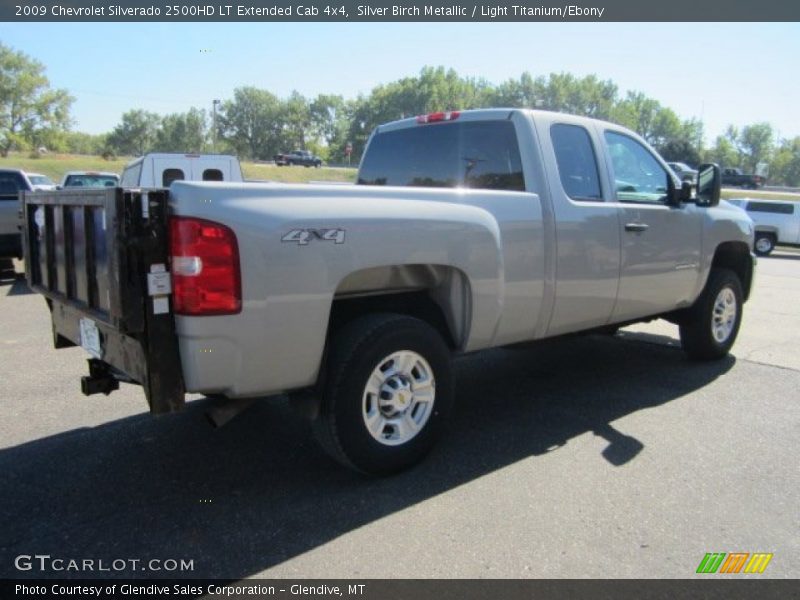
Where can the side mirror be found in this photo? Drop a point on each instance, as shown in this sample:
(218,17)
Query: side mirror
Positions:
(676,196)
(709,184)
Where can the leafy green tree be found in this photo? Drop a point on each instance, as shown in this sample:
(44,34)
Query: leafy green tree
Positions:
(435,89)
(785,167)
(183,132)
(756,144)
(76,142)
(251,123)
(30,110)
(136,134)
(680,151)
(640,113)
(330,119)
(296,119)
(723,152)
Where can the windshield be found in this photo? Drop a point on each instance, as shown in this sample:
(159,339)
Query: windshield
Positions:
(87,180)
(40,180)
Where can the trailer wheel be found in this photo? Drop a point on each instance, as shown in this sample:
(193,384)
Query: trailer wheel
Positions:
(387,393)
(710,328)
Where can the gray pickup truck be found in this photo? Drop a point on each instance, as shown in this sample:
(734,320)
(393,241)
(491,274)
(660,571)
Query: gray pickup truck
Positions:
(467,231)
(12,182)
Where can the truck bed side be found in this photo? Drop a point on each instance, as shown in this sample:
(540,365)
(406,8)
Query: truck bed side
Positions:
(483,265)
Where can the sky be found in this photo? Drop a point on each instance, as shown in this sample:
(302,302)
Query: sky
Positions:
(721,73)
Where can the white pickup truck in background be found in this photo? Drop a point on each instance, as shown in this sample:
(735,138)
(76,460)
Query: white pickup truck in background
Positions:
(467,231)
(160,169)
(777,222)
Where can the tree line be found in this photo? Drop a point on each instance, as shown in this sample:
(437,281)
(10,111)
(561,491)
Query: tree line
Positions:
(256,124)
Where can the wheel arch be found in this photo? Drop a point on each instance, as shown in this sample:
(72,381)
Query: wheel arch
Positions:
(737,257)
(440,295)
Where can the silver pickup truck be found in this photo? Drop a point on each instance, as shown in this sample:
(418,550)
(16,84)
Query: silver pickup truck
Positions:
(466,231)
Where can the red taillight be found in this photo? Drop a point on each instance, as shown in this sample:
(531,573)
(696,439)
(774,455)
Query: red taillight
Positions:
(437,117)
(205,268)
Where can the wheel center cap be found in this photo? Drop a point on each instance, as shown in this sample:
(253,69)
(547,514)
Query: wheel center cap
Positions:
(395,395)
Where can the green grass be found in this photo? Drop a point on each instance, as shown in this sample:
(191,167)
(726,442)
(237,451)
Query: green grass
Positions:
(297,174)
(55,165)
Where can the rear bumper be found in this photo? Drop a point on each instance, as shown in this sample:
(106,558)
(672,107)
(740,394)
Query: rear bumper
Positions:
(11,245)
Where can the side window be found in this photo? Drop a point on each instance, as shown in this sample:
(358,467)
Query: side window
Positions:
(171,175)
(577,163)
(769,207)
(212,175)
(9,184)
(638,176)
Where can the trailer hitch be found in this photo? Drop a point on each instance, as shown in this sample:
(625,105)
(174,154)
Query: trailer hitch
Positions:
(101,379)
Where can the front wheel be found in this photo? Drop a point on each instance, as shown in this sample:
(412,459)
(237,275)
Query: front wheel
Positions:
(764,244)
(387,393)
(710,328)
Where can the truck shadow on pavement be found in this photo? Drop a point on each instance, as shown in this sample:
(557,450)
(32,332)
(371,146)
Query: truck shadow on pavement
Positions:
(259,492)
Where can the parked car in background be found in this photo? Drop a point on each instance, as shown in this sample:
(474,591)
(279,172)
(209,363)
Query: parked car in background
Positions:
(298,157)
(684,172)
(160,169)
(89,179)
(737,178)
(12,182)
(777,222)
(41,182)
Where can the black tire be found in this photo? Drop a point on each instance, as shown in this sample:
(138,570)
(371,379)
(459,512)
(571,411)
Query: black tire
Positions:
(356,351)
(609,330)
(764,243)
(697,336)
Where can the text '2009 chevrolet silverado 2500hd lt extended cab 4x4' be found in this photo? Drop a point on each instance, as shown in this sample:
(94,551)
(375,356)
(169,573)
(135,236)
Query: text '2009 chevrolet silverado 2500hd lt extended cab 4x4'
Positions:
(468,231)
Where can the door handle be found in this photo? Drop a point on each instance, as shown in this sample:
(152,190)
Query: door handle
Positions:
(638,227)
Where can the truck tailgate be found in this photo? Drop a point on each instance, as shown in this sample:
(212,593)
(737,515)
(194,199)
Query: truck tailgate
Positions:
(100,258)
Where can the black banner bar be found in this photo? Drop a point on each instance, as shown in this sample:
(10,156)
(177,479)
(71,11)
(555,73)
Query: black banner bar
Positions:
(399,10)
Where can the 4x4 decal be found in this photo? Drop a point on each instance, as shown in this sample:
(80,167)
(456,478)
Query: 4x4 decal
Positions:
(304,236)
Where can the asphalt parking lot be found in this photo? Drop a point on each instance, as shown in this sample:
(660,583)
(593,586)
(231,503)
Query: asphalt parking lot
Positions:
(583,457)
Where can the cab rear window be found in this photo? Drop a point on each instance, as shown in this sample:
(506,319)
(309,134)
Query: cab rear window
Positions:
(479,154)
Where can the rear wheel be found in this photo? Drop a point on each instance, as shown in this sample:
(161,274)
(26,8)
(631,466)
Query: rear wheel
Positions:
(387,393)
(764,243)
(710,328)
